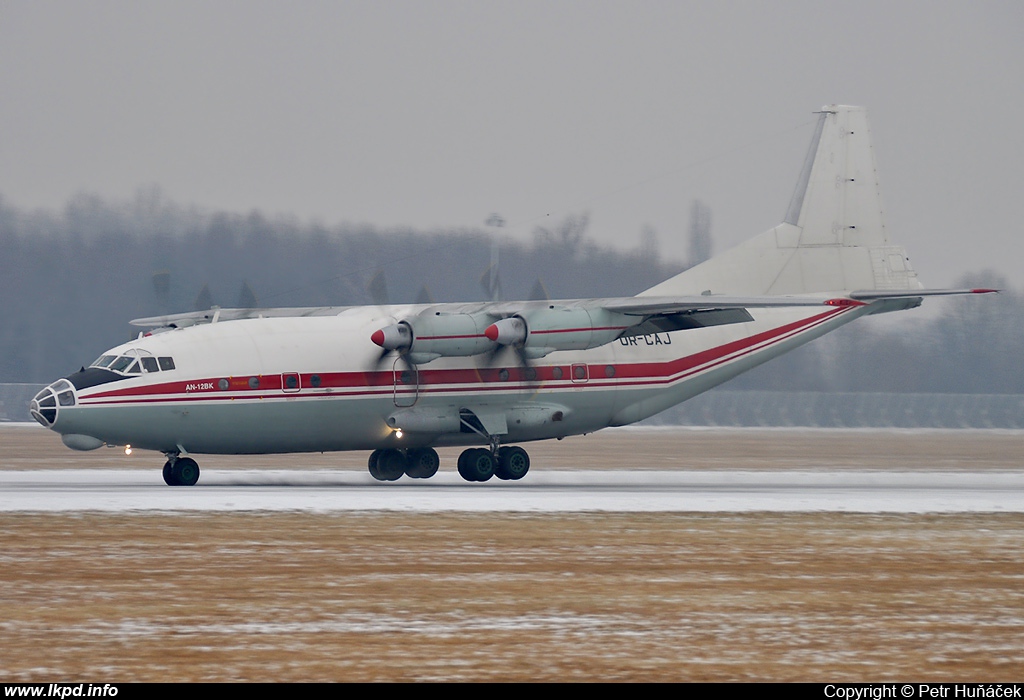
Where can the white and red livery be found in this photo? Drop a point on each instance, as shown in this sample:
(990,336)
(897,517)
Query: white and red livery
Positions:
(400,380)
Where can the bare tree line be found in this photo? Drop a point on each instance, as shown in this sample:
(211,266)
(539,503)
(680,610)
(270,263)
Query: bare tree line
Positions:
(71,280)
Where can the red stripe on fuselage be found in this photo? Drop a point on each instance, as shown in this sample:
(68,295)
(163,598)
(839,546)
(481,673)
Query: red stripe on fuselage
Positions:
(381,382)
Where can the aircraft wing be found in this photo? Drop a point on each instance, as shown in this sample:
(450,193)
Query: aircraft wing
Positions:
(630,306)
(714,309)
(193,318)
(656,306)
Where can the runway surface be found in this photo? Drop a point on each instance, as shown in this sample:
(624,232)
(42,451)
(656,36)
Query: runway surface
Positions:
(623,470)
(115,490)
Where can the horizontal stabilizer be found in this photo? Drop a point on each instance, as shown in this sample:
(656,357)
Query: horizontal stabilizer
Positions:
(873,294)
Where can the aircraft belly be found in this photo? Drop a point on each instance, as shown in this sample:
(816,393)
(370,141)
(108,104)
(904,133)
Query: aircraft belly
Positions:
(237,427)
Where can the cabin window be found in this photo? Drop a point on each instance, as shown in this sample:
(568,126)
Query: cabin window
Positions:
(556,372)
(314,381)
(166,363)
(254,382)
(149,364)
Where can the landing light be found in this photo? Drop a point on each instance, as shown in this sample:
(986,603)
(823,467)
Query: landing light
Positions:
(127,449)
(398,433)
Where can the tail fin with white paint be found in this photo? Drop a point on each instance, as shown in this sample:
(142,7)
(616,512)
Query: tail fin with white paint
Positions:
(832,240)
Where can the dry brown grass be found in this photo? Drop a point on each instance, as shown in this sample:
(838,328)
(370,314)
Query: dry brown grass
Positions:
(629,597)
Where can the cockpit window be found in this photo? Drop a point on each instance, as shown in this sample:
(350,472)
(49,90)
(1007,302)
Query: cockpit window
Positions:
(120,364)
(134,362)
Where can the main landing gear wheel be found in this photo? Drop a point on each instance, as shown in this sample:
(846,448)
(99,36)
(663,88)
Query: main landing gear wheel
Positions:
(390,465)
(183,471)
(387,465)
(513,463)
(422,463)
(476,464)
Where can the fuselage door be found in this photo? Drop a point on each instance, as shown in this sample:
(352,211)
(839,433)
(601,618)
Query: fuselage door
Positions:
(407,386)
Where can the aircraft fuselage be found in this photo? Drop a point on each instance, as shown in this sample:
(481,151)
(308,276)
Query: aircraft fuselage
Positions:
(274,385)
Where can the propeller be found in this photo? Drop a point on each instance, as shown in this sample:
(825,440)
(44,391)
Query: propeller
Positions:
(397,337)
(378,288)
(424,297)
(539,292)
(246,297)
(162,290)
(510,333)
(204,300)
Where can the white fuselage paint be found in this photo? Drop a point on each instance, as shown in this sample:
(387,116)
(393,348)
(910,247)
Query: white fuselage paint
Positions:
(322,385)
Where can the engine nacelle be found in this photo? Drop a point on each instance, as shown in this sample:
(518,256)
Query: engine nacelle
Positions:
(547,330)
(431,336)
(394,337)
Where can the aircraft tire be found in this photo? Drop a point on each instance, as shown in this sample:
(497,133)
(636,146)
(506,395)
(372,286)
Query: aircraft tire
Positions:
(422,463)
(513,463)
(372,464)
(476,464)
(391,465)
(169,474)
(185,471)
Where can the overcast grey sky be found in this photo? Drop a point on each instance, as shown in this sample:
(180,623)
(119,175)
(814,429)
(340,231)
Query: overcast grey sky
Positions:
(438,113)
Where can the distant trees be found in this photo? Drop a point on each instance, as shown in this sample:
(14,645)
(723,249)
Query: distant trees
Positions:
(972,345)
(700,233)
(70,282)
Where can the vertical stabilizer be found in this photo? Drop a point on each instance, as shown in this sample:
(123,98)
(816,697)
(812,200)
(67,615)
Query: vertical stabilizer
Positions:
(833,238)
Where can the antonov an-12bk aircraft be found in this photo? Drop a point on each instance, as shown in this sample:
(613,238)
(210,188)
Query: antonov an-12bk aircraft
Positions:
(401,380)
